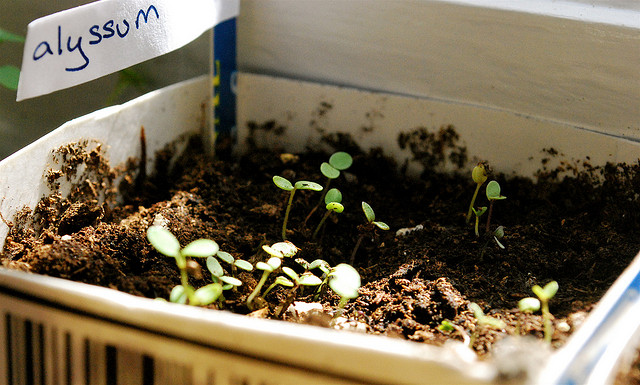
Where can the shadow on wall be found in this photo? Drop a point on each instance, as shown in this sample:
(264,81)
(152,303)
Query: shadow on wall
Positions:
(22,123)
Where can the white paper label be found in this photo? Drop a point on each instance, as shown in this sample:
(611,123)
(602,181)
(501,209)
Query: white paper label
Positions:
(84,43)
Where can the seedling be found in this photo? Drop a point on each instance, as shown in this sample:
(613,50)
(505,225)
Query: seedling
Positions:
(234,263)
(493,194)
(339,161)
(167,244)
(345,281)
(267,268)
(333,205)
(545,294)
(483,320)
(479,176)
(370,226)
(306,279)
(447,327)
(286,185)
(478,213)
(498,234)
(527,305)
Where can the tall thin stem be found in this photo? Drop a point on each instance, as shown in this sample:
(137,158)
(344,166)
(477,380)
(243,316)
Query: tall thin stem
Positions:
(355,250)
(473,200)
(487,228)
(286,215)
(255,292)
(324,218)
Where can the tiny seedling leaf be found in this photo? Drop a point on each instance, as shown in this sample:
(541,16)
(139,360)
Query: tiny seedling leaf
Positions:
(308,279)
(306,185)
(274,262)
(381,225)
(477,310)
(231,280)
(292,274)
(208,294)
(286,249)
(226,257)
(548,292)
(282,183)
(264,266)
(320,264)
(479,174)
(284,281)
(529,305)
(272,252)
(493,191)
(446,326)
(341,160)
(368,212)
(335,207)
(214,267)
(244,265)
(163,241)
(479,211)
(303,262)
(178,295)
(345,281)
(201,248)
(329,171)
(333,195)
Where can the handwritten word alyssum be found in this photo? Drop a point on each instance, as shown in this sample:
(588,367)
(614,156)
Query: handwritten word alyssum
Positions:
(97,34)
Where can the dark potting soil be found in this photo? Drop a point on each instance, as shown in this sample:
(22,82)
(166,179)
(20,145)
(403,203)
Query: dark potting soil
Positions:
(581,232)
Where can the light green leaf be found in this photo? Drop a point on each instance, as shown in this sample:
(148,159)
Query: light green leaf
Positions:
(273,252)
(286,248)
(284,281)
(244,265)
(306,185)
(529,305)
(292,274)
(178,295)
(333,195)
(274,262)
(308,279)
(214,267)
(548,292)
(282,183)
(479,211)
(231,280)
(345,281)
(341,160)
(201,248)
(226,257)
(9,77)
(208,294)
(320,264)
(264,266)
(476,309)
(381,225)
(493,191)
(329,171)
(368,212)
(335,207)
(163,241)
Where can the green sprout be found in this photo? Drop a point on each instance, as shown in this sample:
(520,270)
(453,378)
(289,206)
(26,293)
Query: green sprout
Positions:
(217,275)
(339,161)
(493,194)
(447,326)
(267,268)
(344,280)
(370,226)
(498,234)
(305,279)
(286,185)
(167,244)
(332,200)
(483,320)
(545,294)
(479,176)
(527,305)
(478,213)
(234,263)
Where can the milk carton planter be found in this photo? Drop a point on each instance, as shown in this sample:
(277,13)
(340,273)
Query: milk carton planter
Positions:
(56,331)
